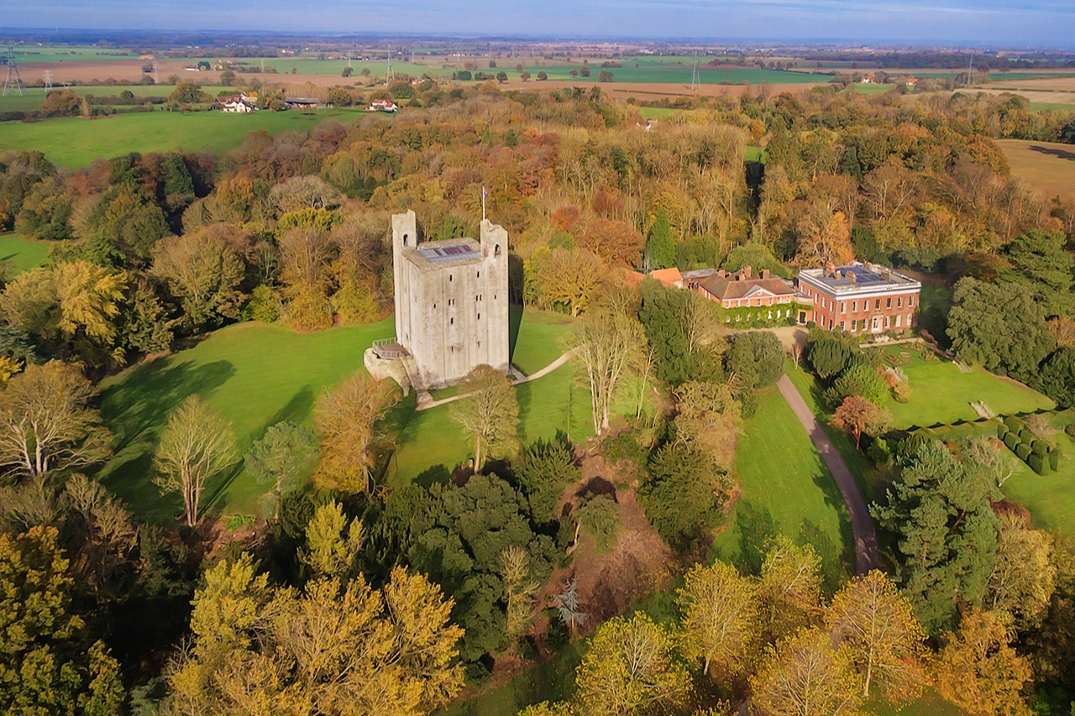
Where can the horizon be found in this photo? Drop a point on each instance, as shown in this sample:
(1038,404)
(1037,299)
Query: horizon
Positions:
(1039,24)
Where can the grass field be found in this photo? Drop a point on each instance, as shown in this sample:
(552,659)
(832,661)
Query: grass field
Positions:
(25,54)
(32,97)
(786,489)
(540,344)
(259,374)
(23,254)
(1050,497)
(1045,166)
(76,142)
(940,393)
(659,112)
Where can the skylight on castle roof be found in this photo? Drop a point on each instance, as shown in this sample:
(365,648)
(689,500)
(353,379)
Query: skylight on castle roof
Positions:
(452,252)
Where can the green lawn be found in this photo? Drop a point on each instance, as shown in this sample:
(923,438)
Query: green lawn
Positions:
(258,374)
(32,97)
(24,254)
(76,141)
(786,489)
(940,393)
(659,112)
(540,343)
(1050,497)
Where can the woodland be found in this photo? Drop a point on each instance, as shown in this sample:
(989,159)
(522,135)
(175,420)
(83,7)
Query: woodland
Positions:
(348,597)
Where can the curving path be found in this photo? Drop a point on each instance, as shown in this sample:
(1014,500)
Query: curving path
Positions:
(518,381)
(867,554)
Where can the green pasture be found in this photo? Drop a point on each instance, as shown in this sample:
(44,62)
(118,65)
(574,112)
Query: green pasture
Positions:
(32,97)
(23,254)
(667,74)
(76,141)
(1048,106)
(658,112)
(541,343)
(941,393)
(868,89)
(26,54)
(302,66)
(258,374)
(786,489)
(754,154)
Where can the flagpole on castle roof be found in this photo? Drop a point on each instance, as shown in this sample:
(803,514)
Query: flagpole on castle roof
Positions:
(485,193)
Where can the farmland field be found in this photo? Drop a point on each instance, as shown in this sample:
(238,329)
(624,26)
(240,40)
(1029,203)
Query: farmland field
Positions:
(76,141)
(1045,166)
(32,97)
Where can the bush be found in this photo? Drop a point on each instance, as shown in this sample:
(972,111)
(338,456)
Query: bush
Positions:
(1036,464)
(1070,430)
(879,451)
(624,447)
(1011,440)
(1054,458)
(1040,447)
(909,446)
(1022,450)
(1002,431)
(600,518)
(1013,423)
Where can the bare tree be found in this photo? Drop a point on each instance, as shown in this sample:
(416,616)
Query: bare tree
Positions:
(607,344)
(196,444)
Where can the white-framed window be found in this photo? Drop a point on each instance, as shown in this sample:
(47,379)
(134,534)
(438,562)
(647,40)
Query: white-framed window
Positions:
(843,307)
(898,321)
(899,302)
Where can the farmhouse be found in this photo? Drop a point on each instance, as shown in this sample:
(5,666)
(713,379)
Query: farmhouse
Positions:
(739,289)
(383,105)
(239,104)
(451,304)
(304,103)
(861,298)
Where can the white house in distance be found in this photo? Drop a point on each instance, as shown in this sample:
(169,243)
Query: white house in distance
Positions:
(383,105)
(237,104)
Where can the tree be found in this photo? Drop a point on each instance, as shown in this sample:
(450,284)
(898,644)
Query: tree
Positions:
(1024,576)
(824,238)
(708,417)
(660,248)
(630,669)
(1041,264)
(47,662)
(542,75)
(607,344)
(789,588)
(829,352)
(305,252)
(683,494)
(945,528)
(331,648)
(1057,376)
(519,590)
(332,543)
(999,327)
(979,671)
(543,469)
(856,415)
(877,625)
(858,380)
(661,316)
(196,444)
(720,619)
(279,458)
(806,675)
(489,411)
(347,419)
(204,273)
(46,422)
(570,279)
(604,76)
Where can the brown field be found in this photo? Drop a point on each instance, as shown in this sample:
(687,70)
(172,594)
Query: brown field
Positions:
(1045,166)
(1035,96)
(1062,84)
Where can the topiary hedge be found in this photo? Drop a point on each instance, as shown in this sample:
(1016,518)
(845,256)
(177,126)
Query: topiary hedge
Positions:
(1054,458)
(1022,450)
(1011,440)
(1036,463)
(1013,424)
(1002,431)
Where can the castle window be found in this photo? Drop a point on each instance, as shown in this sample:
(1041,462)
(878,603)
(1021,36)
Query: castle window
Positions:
(449,277)
(451,321)
(479,274)
(434,305)
(479,316)
(405,237)
(496,251)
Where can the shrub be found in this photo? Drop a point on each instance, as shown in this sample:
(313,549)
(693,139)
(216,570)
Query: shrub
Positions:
(1026,436)
(1054,458)
(910,445)
(600,517)
(1022,450)
(1002,431)
(1036,464)
(623,447)
(1039,447)
(1011,441)
(1014,424)
(1070,430)
(879,451)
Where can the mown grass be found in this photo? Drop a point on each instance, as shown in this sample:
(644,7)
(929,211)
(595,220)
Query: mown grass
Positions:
(1050,497)
(786,489)
(32,97)
(658,112)
(76,141)
(23,254)
(258,374)
(941,393)
(1048,167)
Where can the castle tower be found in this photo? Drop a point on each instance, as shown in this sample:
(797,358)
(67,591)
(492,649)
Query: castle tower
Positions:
(451,300)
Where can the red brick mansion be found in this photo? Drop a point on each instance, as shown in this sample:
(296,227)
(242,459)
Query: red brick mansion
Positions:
(861,298)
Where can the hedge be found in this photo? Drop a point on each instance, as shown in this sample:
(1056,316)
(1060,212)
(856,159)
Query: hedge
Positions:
(1011,440)
(1036,463)
(1054,458)
(1013,423)
(1040,447)
(1022,450)
(1002,430)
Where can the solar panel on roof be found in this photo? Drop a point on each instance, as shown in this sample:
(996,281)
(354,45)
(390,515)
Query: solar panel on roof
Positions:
(455,252)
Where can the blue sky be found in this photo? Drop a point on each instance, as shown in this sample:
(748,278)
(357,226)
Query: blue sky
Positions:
(978,23)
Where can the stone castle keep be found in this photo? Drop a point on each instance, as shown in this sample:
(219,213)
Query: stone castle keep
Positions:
(451,303)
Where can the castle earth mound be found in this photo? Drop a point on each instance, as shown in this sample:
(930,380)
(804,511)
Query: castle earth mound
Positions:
(451,301)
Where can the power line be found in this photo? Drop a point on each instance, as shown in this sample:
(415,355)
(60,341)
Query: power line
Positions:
(48,81)
(696,80)
(13,80)
(156,69)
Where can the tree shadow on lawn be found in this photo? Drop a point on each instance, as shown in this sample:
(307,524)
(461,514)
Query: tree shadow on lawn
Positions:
(837,562)
(756,527)
(524,394)
(296,411)
(143,399)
